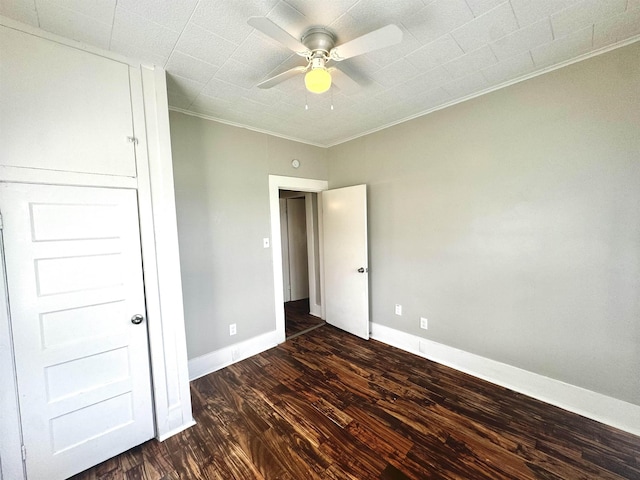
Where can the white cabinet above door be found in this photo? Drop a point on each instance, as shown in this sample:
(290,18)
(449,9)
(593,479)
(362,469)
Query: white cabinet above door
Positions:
(74,277)
(62,108)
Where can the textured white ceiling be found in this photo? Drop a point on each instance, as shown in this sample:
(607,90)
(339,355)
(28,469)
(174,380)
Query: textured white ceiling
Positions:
(451,49)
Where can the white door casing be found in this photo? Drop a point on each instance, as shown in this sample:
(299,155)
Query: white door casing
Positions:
(74,278)
(346,277)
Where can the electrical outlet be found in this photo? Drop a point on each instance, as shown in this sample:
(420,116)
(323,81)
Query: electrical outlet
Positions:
(398,309)
(232,329)
(424,323)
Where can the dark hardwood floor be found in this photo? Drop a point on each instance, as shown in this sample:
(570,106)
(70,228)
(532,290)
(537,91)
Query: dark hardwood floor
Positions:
(298,320)
(328,405)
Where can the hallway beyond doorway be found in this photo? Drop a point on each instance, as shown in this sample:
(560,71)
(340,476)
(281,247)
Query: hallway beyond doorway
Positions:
(298,320)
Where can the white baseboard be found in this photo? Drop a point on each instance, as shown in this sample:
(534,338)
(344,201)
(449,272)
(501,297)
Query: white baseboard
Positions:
(596,406)
(210,362)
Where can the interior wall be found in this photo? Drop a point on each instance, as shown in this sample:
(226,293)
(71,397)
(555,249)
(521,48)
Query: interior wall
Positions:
(512,222)
(222,200)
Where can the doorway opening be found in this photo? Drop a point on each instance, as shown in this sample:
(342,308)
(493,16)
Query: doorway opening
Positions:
(300,261)
(342,254)
(307,185)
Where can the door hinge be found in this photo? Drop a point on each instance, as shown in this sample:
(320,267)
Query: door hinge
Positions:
(133,140)
(24,453)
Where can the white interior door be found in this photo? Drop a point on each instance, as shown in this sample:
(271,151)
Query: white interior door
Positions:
(74,279)
(346,277)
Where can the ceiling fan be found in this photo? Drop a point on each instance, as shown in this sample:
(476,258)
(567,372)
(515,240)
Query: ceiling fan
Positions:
(317,46)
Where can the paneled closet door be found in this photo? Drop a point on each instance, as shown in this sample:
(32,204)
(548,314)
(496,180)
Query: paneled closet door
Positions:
(74,276)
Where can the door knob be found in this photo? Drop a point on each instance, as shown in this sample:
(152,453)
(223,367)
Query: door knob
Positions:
(362,270)
(137,319)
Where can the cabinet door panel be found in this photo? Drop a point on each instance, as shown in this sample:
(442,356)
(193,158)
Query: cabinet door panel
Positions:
(62,108)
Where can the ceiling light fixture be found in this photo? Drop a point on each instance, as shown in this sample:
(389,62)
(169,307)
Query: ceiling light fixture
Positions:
(318,79)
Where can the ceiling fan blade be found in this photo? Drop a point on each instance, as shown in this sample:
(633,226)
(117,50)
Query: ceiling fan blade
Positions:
(344,82)
(281,77)
(272,30)
(383,37)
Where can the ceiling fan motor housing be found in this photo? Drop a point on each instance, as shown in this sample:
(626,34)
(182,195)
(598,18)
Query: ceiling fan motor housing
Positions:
(319,40)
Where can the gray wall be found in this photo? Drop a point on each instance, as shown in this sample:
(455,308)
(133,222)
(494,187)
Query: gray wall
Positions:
(512,222)
(222,200)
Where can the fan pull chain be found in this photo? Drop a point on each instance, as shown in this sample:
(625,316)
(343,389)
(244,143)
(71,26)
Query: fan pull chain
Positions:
(332,98)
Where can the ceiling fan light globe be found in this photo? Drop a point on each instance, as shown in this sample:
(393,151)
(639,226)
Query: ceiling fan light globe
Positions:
(317,80)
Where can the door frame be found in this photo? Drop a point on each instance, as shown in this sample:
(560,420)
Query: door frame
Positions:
(11,438)
(276,183)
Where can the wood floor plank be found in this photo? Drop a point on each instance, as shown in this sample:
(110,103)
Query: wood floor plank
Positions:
(421,470)
(293,451)
(330,406)
(135,473)
(184,454)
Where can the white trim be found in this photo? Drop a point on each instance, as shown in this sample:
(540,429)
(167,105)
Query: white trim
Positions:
(149,266)
(58,177)
(214,361)
(596,406)
(167,249)
(11,465)
(161,265)
(277,182)
(247,127)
